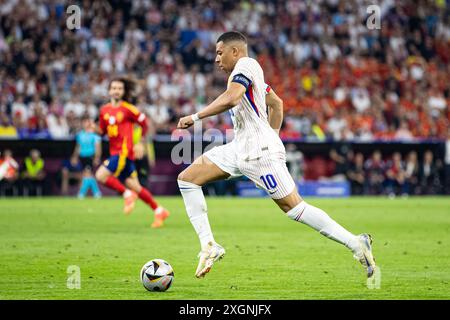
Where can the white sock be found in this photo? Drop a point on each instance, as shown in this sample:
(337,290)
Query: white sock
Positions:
(196,208)
(320,221)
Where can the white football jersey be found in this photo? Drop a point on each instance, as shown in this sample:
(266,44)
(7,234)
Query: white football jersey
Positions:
(253,134)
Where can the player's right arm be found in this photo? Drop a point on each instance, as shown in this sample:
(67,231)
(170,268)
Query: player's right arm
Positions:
(275,109)
(238,83)
(224,102)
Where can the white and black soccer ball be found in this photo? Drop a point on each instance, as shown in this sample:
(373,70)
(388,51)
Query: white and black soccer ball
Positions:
(157,275)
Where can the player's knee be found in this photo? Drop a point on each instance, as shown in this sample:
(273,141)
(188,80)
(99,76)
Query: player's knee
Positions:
(99,175)
(183,176)
(187,177)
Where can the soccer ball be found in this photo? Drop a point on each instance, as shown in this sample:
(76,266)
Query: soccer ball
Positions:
(157,275)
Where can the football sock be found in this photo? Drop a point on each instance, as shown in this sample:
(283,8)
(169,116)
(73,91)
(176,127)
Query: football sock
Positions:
(94,186)
(147,197)
(84,187)
(197,211)
(317,219)
(114,183)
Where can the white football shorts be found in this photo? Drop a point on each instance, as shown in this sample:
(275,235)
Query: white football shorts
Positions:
(269,172)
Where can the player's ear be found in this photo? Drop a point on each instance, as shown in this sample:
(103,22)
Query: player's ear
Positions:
(235,51)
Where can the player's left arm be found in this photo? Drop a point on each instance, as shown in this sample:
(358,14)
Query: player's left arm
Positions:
(143,122)
(224,102)
(140,118)
(275,104)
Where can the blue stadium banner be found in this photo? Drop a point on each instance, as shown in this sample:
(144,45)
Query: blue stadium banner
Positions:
(306,188)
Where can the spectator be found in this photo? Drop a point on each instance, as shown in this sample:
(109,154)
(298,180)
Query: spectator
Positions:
(75,105)
(403,133)
(356,174)
(144,153)
(287,130)
(336,126)
(429,174)
(412,173)
(57,126)
(20,107)
(395,176)
(7,130)
(33,174)
(295,162)
(342,157)
(71,174)
(375,169)
(8,173)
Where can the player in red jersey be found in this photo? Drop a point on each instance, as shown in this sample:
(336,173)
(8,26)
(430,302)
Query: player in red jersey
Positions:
(116,120)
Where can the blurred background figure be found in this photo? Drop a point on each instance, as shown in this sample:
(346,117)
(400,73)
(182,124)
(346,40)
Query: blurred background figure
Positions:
(375,169)
(412,173)
(429,174)
(342,157)
(7,129)
(9,173)
(395,176)
(71,174)
(33,174)
(88,151)
(356,174)
(295,162)
(144,153)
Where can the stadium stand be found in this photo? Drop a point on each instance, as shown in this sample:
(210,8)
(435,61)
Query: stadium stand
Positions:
(339,80)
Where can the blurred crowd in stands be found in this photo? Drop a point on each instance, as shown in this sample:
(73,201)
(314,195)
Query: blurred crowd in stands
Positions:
(338,78)
(392,176)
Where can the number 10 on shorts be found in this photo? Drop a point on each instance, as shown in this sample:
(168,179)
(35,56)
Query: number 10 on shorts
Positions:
(269,181)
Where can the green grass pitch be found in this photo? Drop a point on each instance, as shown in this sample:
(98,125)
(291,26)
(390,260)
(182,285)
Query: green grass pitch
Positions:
(268,255)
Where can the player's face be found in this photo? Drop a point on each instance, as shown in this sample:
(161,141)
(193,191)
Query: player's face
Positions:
(116,90)
(86,125)
(225,57)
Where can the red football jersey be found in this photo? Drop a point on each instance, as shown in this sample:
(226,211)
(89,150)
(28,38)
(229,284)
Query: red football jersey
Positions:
(117,123)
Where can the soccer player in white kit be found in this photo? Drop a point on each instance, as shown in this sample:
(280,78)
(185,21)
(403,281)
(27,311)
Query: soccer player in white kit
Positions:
(255,152)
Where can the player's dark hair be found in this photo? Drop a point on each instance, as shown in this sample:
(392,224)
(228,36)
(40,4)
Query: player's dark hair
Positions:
(232,36)
(129,87)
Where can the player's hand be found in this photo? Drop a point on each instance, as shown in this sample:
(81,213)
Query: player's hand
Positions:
(139,150)
(185,122)
(73,161)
